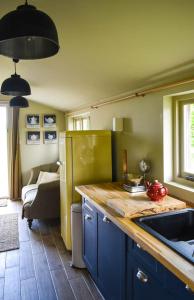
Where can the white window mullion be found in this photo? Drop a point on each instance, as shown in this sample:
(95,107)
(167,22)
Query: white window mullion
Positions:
(186,158)
(81,123)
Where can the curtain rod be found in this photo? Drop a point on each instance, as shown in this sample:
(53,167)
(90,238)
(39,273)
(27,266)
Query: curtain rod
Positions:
(135,95)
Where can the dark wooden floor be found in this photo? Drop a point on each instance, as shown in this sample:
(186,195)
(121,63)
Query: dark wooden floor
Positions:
(40,269)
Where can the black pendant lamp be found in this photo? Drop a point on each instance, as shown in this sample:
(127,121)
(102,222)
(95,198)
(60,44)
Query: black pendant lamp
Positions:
(19,102)
(28,33)
(15,85)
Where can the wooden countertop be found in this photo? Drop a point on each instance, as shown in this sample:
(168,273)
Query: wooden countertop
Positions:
(97,195)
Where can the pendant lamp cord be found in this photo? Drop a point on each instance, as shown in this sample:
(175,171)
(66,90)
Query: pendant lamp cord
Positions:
(15,62)
(15,67)
(26,3)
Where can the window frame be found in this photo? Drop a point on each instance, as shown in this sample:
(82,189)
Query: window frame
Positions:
(179,175)
(81,119)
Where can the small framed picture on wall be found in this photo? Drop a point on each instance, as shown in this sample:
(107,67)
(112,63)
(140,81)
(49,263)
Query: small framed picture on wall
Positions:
(33,137)
(50,137)
(49,121)
(33,121)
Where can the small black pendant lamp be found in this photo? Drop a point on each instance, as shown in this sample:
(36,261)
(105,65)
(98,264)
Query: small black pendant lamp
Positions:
(19,102)
(28,33)
(15,85)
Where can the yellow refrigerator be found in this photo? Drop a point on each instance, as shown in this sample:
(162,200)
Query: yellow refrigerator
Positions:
(85,158)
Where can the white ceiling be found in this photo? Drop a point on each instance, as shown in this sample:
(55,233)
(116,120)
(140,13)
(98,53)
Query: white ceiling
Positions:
(107,47)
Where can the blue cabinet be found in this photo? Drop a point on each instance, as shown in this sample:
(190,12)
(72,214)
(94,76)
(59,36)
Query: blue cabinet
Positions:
(104,249)
(176,286)
(121,269)
(89,217)
(143,285)
(111,259)
(148,279)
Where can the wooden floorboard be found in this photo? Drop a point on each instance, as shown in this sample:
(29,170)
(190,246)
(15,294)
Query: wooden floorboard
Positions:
(43,227)
(52,254)
(80,289)
(2,280)
(35,239)
(23,230)
(40,269)
(65,257)
(62,286)
(12,284)
(26,261)
(91,285)
(58,239)
(12,258)
(72,272)
(29,289)
(43,277)
(2,264)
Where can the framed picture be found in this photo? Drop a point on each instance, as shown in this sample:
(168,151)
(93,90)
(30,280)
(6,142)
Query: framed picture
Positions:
(50,137)
(49,121)
(33,121)
(33,137)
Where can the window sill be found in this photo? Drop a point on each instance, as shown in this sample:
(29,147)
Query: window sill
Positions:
(180,191)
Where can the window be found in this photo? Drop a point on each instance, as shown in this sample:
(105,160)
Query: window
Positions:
(188,138)
(184,141)
(81,123)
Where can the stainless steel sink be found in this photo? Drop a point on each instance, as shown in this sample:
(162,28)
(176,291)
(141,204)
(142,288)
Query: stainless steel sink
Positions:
(175,229)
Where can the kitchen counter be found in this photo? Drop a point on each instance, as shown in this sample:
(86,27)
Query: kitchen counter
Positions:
(98,194)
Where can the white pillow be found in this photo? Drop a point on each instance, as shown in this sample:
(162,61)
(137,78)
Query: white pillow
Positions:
(46,177)
(39,177)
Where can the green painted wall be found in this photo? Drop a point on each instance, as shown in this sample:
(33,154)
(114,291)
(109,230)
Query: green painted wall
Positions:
(141,135)
(34,155)
(143,130)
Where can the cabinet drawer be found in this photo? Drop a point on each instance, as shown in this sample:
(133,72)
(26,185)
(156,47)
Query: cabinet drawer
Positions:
(145,257)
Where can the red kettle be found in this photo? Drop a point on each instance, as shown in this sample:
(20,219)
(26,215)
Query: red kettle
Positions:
(156,191)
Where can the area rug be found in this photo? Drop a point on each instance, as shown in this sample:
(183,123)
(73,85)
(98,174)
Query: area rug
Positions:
(3,202)
(9,236)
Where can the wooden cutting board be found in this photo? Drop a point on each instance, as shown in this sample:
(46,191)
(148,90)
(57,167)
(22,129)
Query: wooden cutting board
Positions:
(141,205)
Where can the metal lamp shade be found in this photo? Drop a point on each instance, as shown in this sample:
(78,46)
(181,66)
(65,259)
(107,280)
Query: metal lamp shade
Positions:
(15,86)
(28,33)
(19,102)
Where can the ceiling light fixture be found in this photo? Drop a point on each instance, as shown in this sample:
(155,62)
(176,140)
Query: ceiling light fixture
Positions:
(19,102)
(15,85)
(28,33)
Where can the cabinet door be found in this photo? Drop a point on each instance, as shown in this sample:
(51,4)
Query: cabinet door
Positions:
(177,287)
(90,240)
(142,285)
(111,259)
